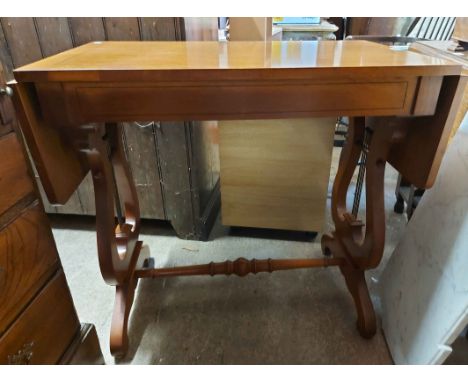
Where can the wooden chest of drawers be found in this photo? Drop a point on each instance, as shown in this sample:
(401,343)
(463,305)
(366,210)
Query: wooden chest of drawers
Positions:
(28,259)
(46,328)
(14,182)
(38,321)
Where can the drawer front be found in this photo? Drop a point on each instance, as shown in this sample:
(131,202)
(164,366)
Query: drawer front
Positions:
(46,328)
(28,258)
(115,102)
(15,180)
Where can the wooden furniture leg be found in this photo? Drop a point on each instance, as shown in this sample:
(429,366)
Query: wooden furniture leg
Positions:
(361,247)
(118,245)
(121,260)
(354,248)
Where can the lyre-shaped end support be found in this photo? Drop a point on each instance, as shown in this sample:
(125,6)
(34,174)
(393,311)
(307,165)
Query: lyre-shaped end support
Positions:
(118,245)
(361,246)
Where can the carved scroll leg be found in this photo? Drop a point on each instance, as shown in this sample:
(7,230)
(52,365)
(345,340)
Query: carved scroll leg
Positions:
(356,283)
(349,230)
(118,246)
(362,249)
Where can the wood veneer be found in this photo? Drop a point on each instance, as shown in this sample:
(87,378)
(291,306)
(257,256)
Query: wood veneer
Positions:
(342,74)
(45,329)
(15,181)
(275,174)
(207,60)
(28,258)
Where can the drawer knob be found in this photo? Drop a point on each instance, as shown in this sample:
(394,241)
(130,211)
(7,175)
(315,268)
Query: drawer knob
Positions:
(23,356)
(6,90)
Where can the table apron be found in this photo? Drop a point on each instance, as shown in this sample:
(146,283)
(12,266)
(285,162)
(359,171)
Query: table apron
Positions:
(77,103)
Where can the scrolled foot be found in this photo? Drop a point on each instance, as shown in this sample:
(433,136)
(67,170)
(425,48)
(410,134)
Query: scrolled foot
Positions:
(124,295)
(367,326)
(356,282)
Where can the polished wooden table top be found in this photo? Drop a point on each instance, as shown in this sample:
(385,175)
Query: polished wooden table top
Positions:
(442,49)
(113,82)
(107,60)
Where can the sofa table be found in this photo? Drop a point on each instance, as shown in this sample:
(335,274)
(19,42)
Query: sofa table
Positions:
(70,105)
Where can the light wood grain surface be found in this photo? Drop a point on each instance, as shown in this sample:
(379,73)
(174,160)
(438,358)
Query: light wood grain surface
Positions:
(94,60)
(275,173)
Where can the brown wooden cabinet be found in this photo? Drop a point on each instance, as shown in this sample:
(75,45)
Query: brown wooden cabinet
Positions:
(38,321)
(175,165)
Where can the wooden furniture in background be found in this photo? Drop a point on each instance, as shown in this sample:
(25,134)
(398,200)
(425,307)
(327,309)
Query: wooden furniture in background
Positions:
(187,194)
(250,28)
(102,82)
(274,174)
(38,322)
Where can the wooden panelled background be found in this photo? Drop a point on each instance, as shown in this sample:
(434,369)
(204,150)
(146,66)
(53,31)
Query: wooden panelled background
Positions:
(175,165)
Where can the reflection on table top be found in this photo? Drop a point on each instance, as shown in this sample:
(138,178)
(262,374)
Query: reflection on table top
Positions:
(240,55)
(442,49)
